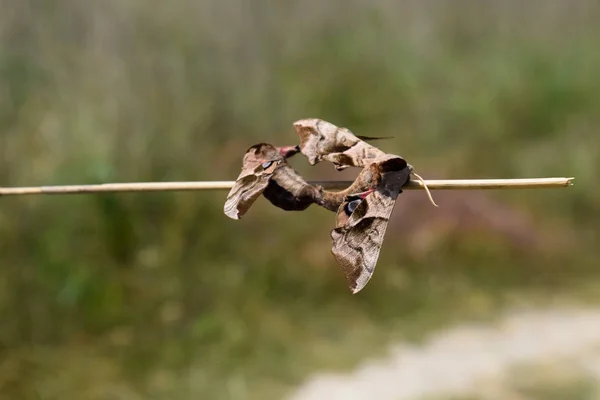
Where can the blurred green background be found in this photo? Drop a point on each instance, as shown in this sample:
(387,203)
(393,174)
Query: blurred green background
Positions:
(161,296)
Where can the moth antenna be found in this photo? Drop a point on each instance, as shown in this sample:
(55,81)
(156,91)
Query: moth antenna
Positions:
(426,188)
(368,138)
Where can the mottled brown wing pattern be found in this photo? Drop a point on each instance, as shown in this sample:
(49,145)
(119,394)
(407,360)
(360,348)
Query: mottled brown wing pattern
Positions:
(265,171)
(361,227)
(249,185)
(322,140)
(356,245)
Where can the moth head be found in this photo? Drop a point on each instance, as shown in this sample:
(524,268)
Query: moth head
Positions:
(391,163)
(261,157)
(263,151)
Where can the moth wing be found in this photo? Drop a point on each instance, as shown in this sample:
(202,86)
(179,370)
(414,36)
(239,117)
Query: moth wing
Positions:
(357,242)
(314,134)
(322,140)
(248,186)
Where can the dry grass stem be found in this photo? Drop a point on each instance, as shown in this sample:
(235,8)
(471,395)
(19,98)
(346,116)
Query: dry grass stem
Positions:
(433,184)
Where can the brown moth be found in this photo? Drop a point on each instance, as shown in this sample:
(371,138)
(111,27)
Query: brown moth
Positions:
(322,140)
(362,220)
(265,171)
(260,163)
(289,191)
(362,217)
(362,210)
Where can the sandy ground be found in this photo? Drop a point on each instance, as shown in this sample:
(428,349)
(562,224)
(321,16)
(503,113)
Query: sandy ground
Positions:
(457,360)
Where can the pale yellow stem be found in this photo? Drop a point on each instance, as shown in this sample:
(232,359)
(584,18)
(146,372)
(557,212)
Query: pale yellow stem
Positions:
(444,184)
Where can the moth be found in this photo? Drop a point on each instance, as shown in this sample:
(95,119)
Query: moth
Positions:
(322,140)
(362,217)
(362,220)
(265,171)
(362,210)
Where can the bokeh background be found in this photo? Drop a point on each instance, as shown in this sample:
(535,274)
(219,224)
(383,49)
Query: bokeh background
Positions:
(161,296)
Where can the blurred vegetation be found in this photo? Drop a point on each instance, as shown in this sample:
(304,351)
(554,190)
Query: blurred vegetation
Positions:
(138,296)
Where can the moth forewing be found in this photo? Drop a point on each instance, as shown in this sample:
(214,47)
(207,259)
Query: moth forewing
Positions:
(258,165)
(322,140)
(307,130)
(357,243)
(245,191)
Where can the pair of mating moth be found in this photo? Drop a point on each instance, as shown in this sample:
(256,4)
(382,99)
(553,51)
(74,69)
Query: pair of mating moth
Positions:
(363,209)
